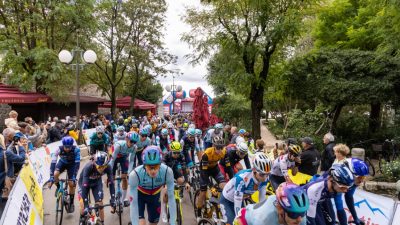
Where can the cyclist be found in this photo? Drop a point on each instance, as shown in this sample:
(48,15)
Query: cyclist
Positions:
(209,168)
(240,138)
(177,162)
(182,131)
(189,146)
(282,164)
(70,158)
(235,155)
(99,141)
(360,170)
(199,143)
(123,150)
(149,179)
(173,136)
(143,142)
(288,207)
(120,135)
(163,141)
(243,185)
(211,133)
(90,179)
(135,128)
(337,180)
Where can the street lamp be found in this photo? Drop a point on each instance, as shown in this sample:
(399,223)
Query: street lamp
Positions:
(81,59)
(173,89)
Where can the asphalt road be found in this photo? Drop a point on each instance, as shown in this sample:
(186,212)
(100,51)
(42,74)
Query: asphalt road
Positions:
(72,219)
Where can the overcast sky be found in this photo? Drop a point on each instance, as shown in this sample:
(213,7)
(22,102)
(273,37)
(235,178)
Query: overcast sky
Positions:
(192,76)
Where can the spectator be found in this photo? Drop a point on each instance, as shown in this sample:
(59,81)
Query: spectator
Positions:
(310,157)
(341,151)
(12,121)
(8,134)
(328,155)
(260,146)
(227,133)
(234,135)
(19,146)
(55,132)
(28,120)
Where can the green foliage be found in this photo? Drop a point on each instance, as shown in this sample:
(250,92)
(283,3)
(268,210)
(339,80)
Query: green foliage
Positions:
(234,109)
(391,171)
(150,92)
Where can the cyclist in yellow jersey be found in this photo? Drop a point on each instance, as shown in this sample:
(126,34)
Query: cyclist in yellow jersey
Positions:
(209,167)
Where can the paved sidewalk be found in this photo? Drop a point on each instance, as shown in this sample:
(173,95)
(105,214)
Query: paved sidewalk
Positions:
(267,136)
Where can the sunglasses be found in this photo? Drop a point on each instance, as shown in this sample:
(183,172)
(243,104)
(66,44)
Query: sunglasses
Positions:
(342,185)
(152,167)
(176,153)
(99,133)
(219,147)
(293,215)
(263,174)
(242,153)
(133,142)
(143,135)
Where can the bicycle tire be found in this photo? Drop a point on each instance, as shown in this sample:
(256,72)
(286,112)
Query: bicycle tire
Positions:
(370,167)
(179,219)
(196,194)
(204,221)
(59,209)
(120,210)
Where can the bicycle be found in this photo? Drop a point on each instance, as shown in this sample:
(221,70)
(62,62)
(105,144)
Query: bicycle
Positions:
(178,192)
(63,200)
(194,181)
(211,209)
(92,217)
(118,195)
(367,160)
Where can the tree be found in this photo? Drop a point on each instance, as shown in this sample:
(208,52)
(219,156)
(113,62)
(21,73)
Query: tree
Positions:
(150,91)
(254,29)
(31,35)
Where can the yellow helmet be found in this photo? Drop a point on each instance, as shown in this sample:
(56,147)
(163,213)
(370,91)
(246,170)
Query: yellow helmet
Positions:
(294,150)
(175,146)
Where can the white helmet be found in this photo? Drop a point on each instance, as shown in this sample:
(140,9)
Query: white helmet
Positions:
(170,126)
(262,163)
(242,147)
(192,125)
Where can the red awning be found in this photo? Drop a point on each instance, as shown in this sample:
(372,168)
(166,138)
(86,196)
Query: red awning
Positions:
(124,103)
(12,95)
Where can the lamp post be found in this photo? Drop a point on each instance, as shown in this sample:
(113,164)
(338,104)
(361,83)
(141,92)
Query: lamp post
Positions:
(173,89)
(81,59)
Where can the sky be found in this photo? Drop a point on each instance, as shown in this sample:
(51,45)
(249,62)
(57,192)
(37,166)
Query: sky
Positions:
(192,76)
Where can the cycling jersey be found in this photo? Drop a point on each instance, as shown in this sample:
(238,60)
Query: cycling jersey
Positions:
(211,134)
(163,143)
(188,146)
(68,160)
(264,212)
(119,137)
(103,140)
(210,158)
(281,166)
(90,178)
(234,158)
(177,165)
(140,181)
(140,146)
(121,150)
(199,144)
(241,186)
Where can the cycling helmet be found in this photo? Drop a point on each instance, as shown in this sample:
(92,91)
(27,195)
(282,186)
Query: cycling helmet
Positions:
(19,135)
(67,141)
(151,155)
(164,132)
(219,126)
(99,129)
(191,132)
(185,125)
(144,132)
(242,147)
(218,141)
(292,198)
(148,128)
(170,126)
(132,137)
(242,131)
(192,126)
(126,121)
(121,128)
(198,132)
(134,125)
(291,141)
(262,163)
(175,146)
(341,174)
(359,167)
(101,158)
(294,149)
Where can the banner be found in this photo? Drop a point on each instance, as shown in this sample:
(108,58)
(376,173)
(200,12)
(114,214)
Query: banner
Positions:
(396,217)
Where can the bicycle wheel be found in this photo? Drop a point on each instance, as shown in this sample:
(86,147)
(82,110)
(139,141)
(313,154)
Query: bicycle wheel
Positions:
(370,166)
(205,222)
(59,209)
(119,211)
(179,219)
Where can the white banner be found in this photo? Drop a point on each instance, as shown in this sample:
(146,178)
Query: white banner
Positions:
(396,217)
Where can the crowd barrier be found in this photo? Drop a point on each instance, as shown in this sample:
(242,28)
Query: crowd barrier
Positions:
(25,204)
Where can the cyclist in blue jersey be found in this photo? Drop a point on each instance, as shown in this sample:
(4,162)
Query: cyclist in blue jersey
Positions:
(99,141)
(188,146)
(120,135)
(70,158)
(124,154)
(163,141)
(360,170)
(145,183)
(211,133)
(199,143)
(287,207)
(243,185)
(143,142)
(337,180)
(90,179)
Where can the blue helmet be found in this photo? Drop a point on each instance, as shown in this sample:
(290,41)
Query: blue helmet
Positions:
(132,137)
(19,135)
(219,126)
(148,128)
(198,132)
(121,128)
(242,131)
(67,141)
(359,167)
(101,158)
(144,132)
(164,131)
(152,155)
(341,174)
(292,198)
(191,132)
